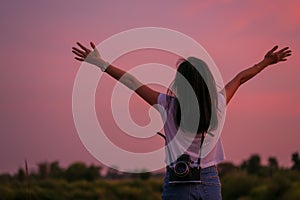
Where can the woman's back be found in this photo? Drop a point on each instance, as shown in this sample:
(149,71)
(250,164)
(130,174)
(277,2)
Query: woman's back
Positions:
(179,142)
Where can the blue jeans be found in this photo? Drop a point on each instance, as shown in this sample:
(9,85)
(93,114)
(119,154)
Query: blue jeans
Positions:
(209,188)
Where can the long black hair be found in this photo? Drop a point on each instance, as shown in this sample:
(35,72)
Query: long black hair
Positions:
(194,80)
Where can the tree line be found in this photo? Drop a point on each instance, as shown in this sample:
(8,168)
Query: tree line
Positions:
(249,180)
(80,171)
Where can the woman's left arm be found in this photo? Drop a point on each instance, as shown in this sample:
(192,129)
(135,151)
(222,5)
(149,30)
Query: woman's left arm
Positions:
(270,58)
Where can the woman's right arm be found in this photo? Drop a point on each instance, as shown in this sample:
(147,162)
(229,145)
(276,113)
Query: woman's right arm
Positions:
(270,58)
(93,57)
(145,92)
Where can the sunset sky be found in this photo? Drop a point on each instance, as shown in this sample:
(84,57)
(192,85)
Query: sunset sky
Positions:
(38,72)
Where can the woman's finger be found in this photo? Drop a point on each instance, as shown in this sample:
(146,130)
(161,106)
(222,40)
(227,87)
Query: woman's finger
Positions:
(83,47)
(79,51)
(272,50)
(78,54)
(282,50)
(289,51)
(286,55)
(93,45)
(80,59)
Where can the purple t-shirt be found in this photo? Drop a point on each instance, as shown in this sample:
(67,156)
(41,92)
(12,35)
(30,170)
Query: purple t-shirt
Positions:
(180,142)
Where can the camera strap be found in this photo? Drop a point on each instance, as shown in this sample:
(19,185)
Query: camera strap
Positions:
(181,172)
(201,143)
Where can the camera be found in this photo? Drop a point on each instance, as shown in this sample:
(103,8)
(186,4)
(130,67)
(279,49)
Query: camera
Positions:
(184,171)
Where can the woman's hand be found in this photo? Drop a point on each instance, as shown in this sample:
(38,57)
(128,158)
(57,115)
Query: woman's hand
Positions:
(92,57)
(273,57)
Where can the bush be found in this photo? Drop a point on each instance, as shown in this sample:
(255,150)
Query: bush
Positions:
(238,184)
(6,192)
(293,193)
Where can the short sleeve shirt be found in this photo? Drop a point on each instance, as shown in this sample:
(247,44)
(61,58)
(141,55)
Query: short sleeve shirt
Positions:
(183,142)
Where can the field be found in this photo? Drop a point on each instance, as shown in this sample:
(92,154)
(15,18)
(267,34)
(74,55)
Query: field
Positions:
(78,181)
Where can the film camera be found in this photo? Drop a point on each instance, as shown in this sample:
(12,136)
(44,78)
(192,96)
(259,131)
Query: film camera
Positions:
(184,171)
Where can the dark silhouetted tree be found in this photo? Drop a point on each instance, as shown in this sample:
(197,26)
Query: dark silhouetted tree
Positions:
(296,161)
(21,175)
(55,170)
(92,173)
(253,164)
(79,171)
(244,164)
(273,163)
(225,168)
(76,171)
(43,170)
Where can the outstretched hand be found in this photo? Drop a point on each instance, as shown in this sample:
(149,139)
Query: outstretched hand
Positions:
(89,56)
(273,57)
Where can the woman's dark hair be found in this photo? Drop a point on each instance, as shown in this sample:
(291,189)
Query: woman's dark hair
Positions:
(196,116)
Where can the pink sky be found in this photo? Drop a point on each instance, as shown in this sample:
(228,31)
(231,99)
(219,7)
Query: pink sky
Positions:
(38,72)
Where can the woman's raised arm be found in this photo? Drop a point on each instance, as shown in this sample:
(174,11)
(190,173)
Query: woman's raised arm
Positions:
(94,57)
(270,58)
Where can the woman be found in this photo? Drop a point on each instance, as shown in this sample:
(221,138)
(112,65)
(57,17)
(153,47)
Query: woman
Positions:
(191,105)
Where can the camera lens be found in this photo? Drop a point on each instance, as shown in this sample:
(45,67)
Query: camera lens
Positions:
(181,169)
